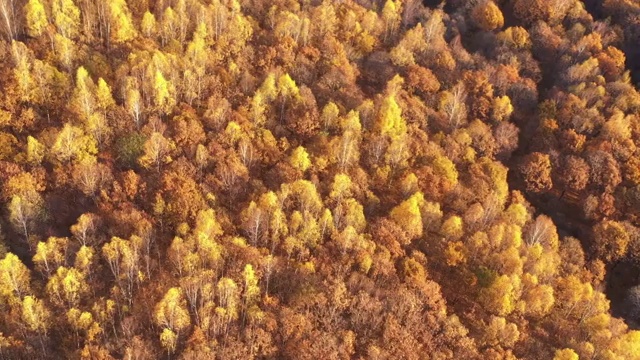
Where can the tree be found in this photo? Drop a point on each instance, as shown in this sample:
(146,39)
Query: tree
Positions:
(67,287)
(163,90)
(565,354)
(50,255)
(35,151)
(251,289)
(487,16)
(84,230)
(575,173)
(453,106)
(157,151)
(123,259)
(8,18)
(121,22)
(408,215)
(299,159)
(542,231)
(72,143)
(501,333)
(24,212)
(133,104)
(172,315)
(391,17)
(35,315)
(611,240)
(84,260)
(148,25)
(36,18)
(536,172)
(501,295)
(66,17)
(14,277)
(23,71)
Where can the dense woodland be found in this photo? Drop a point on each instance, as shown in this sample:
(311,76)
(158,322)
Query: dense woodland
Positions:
(248,179)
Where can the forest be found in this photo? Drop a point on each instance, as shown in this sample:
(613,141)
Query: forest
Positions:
(316,179)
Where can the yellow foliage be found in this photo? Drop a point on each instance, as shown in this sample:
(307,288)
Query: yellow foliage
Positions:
(452,228)
(103,95)
(390,121)
(565,354)
(14,277)
(501,109)
(407,215)
(341,187)
(500,332)
(67,286)
(35,151)
(73,144)
(169,340)
(299,159)
(36,18)
(171,312)
(148,24)
(51,254)
(455,253)
(66,17)
(121,22)
(487,16)
(501,295)
(251,288)
(35,315)
(446,169)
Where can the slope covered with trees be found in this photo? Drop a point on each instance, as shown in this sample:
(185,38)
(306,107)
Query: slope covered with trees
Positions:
(246,179)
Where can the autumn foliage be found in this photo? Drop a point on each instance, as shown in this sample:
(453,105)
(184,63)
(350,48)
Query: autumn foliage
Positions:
(235,179)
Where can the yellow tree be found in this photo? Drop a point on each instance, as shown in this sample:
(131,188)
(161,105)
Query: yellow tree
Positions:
(391,18)
(163,90)
(413,43)
(72,143)
(287,89)
(36,18)
(172,315)
(84,260)
(148,25)
(487,16)
(51,254)
(24,211)
(67,287)
(104,96)
(66,17)
(35,315)
(341,187)
(500,297)
(35,151)
(84,101)
(251,289)
(206,232)
(84,229)
(452,104)
(124,261)
(65,50)
(157,151)
(407,215)
(14,277)
(121,22)
(566,354)
(299,159)
(228,298)
(499,332)
(23,71)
